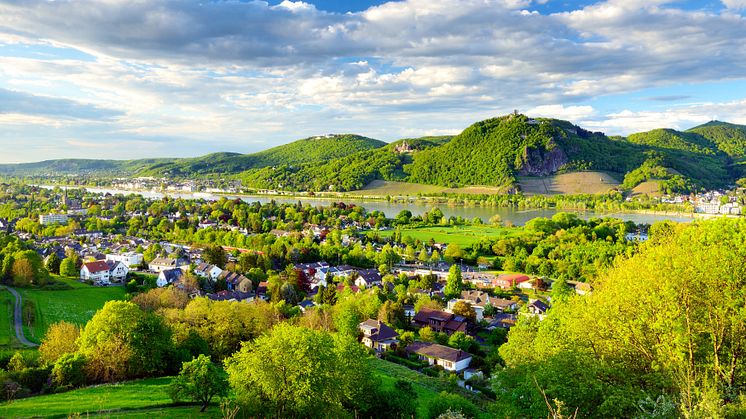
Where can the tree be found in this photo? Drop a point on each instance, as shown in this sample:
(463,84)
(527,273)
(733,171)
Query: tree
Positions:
(215,255)
(68,268)
(454,252)
(293,371)
(454,283)
(60,339)
(463,308)
(53,263)
(199,380)
(121,341)
(23,273)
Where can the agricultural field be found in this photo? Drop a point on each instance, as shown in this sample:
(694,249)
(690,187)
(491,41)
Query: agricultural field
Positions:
(569,183)
(140,398)
(75,305)
(649,187)
(464,236)
(384,188)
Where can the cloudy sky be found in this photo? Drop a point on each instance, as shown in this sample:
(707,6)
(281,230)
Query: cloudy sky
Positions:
(146,78)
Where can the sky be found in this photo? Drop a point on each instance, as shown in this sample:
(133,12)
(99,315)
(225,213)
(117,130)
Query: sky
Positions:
(123,79)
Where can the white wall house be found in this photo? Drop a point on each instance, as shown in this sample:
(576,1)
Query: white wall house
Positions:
(205,270)
(97,271)
(128,259)
(46,219)
(117,271)
(450,359)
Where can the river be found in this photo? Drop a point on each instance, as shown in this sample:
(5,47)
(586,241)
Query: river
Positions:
(391,209)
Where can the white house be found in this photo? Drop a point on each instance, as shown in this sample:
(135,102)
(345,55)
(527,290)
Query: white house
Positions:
(117,270)
(161,264)
(128,258)
(205,270)
(169,276)
(450,359)
(97,271)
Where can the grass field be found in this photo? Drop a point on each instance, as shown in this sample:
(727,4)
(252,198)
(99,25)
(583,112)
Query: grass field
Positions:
(383,188)
(7,334)
(464,236)
(568,183)
(142,398)
(76,305)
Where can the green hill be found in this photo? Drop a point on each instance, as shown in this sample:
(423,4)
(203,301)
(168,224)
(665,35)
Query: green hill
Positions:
(307,150)
(729,138)
(676,140)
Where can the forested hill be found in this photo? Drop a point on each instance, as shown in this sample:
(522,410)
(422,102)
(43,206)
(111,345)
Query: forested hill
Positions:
(493,152)
(496,151)
(308,150)
(729,138)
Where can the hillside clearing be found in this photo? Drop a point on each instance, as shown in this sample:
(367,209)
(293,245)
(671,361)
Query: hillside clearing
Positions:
(76,305)
(568,183)
(385,187)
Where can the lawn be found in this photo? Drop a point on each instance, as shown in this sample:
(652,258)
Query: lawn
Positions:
(464,236)
(131,399)
(76,305)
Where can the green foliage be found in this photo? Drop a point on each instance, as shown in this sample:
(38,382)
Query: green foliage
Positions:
(68,268)
(451,402)
(199,380)
(121,341)
(729,138)
(299,372)
(69,371)
(668,321)
(454,283)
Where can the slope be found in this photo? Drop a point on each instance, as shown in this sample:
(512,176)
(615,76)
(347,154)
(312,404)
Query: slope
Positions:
(729,138)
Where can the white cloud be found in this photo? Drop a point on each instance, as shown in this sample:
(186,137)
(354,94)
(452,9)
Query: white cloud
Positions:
(230,75)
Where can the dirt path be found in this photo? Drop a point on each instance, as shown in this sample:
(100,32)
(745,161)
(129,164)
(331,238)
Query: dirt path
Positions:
(18,318)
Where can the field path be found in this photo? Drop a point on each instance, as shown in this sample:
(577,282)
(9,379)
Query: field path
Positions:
(18,318)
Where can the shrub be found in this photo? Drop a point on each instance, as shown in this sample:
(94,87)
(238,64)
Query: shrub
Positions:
(69,371)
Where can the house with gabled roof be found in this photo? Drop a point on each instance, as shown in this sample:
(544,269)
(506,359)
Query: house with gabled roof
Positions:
(440,321)
(450,359)
(378,336)
(97,271)
(169,276)
(206,270)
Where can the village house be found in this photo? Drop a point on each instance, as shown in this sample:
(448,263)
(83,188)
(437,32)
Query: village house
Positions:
(368,278)
(128,258)
(205,270)
(169,276)
(479,299)
(97,271)
(117,270)
(537,308)
(236,282)
(450,359)
(378,336)
(440,321)
(509,281)
(158,265)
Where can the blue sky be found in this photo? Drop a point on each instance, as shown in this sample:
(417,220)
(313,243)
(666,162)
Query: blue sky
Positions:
(121,79)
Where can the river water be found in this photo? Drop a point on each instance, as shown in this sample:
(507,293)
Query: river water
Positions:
(391,209)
